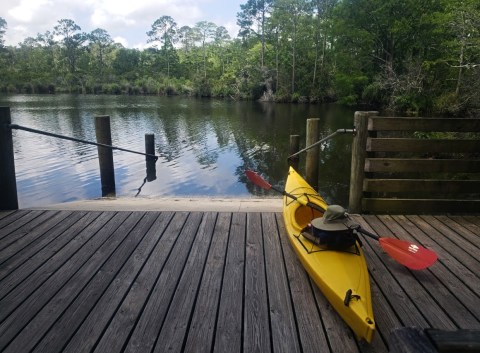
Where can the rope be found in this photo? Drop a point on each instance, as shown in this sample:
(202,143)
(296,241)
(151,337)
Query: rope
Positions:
(20,127)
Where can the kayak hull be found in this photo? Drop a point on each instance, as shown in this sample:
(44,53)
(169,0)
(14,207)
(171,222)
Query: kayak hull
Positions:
(342,276)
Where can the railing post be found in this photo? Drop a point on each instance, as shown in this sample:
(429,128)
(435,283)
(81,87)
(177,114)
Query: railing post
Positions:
(311,162)
(294,148)
(150,161)
(8,184)
(359,153)
(105,155)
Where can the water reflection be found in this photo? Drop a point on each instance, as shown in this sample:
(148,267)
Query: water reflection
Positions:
(204,146)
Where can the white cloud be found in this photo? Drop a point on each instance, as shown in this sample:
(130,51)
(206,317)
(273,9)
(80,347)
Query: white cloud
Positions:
(127,20)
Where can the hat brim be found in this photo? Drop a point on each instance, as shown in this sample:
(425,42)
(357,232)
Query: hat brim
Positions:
(336,225)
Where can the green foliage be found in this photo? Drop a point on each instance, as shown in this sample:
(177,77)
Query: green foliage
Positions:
(411,56)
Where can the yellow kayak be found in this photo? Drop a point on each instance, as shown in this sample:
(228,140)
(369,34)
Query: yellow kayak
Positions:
(341,275)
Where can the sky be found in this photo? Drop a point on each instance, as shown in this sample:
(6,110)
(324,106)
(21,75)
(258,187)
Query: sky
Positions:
(127,21)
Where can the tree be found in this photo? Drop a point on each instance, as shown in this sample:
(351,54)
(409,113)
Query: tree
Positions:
(252,20)
(163,32)
(220,40)
(100,42)
(3,28)
(206,32)
(71,41)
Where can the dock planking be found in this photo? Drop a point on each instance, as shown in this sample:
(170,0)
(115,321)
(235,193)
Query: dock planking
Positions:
(80,281)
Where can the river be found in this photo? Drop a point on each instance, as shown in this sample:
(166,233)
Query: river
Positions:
(204,145)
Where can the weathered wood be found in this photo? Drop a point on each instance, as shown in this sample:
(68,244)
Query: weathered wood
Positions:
(228,336)
(462,304)
(457,341)
(14,231)
(150,160)
(152,318)
(176,323)
(311,159)
(105,155)
(422,146)
(202,327)
(218,282)
(115,335)
(91,280)
(96,313)
(8,184)
(38,269)
(294,148)
(410,340)
(436,187)
(256,321)
(23,237)
(419,206)
(311,329)
(358,162)
(406,165)
(28,307)
(282,321)
(424,124)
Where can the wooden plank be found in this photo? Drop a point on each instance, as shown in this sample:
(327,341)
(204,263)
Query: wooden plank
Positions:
(419,206)
(423,124)
(435,186)
(439,297)
(470,223)
(15,230)
(282,321)
(76,298)
(422,146)
(411,340)
(28,307)
(202,327)
(36,246)
(386,273)
(86,326)
(176,324)
(456,341)
(320,328)
(228,336)
(101,329)
(429,309)
(4,214)
(459,262)
(14,291)
(49,258)
(414,165)
(454,296)
(11,216)
(149,324)
(256,329)
(34,233)
(471,237)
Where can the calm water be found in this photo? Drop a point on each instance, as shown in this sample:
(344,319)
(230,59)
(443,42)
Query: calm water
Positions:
(204,146)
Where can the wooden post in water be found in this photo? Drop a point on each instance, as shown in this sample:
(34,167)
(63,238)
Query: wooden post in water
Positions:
(311,162)
(294,148)
(8,184)
(150,161)
(105,155)
(359,153)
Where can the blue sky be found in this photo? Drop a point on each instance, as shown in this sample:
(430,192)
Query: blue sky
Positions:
(127,21)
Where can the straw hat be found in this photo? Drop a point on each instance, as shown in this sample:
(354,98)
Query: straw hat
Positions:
(333,219)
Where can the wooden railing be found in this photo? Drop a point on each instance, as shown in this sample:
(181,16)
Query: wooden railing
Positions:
(415,165)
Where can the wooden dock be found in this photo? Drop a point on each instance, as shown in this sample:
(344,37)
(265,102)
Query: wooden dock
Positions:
(83,281)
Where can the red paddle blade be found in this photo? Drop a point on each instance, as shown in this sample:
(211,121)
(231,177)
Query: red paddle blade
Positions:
(258,180)
(415,257)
